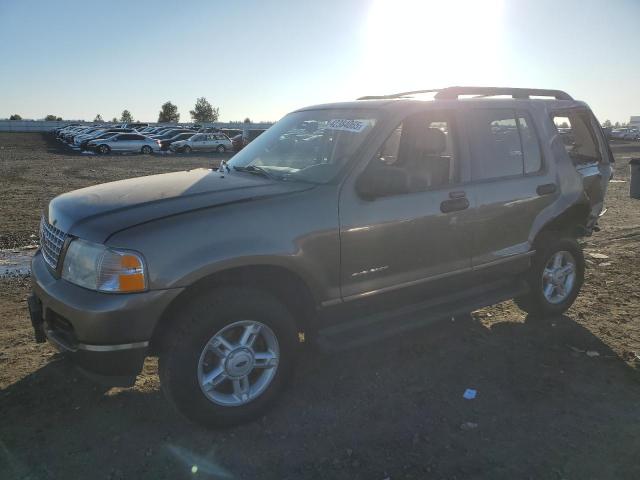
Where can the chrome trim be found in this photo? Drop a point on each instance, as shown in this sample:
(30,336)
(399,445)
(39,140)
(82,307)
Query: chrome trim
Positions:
(432,278)
(499,261)
(398,286)
(60,345)
(112,348)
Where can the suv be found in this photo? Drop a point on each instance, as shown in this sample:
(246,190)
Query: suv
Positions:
(341,224)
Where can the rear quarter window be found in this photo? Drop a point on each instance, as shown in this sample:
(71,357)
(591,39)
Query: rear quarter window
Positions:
(577,134)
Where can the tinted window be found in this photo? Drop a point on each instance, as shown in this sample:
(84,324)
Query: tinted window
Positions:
(494,142)
(530,144)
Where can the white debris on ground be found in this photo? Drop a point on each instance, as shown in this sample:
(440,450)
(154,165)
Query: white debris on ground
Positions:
(16,262)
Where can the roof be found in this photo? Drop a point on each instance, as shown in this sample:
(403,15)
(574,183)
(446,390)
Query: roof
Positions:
(554,98)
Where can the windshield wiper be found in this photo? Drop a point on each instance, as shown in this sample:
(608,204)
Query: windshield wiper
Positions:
(255,170)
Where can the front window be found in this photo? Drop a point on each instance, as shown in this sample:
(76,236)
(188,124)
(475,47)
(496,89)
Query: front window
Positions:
(310,146)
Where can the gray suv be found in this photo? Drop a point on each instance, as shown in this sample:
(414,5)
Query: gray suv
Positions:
(341,224)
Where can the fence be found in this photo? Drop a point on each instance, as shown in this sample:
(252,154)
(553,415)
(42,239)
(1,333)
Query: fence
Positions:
(44,126)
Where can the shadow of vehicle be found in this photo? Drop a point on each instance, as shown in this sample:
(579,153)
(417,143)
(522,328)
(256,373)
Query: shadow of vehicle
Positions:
(544,409)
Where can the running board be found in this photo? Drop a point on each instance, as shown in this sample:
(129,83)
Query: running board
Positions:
(379,326)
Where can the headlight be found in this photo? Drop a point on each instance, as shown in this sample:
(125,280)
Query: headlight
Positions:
(94,266)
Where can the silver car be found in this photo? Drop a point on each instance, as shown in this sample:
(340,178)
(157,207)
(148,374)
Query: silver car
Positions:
(125,142)
(203,142)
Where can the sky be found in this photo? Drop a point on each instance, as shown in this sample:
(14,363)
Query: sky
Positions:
(263,59)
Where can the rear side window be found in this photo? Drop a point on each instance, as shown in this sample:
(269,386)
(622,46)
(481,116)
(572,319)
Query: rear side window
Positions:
(503,143)
(578,137)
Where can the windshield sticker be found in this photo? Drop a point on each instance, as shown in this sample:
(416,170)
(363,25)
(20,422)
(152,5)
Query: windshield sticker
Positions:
(355,126)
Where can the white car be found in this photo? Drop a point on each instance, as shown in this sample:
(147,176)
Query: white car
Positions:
(203,142)
(125,142)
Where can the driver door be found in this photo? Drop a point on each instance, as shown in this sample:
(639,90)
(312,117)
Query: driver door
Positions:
(414,238)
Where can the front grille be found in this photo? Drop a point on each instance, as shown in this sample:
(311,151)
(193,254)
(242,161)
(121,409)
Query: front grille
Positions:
(51,242)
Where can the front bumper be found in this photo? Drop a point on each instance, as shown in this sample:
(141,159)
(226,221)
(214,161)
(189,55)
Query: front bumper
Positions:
(106,334)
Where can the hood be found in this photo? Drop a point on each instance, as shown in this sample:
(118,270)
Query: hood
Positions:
(95,213)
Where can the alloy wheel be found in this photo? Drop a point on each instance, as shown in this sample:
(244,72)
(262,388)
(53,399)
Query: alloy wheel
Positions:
(238,363)
(558,277)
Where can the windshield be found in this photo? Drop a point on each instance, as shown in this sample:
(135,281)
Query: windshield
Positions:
(310,146)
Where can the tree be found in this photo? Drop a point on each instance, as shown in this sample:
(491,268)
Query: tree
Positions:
(114,120)
(15,116)
(98,118)
(247,120)
(52,118)
(126,116)
(204,112)
(607,124)
(168,113)
(617,124)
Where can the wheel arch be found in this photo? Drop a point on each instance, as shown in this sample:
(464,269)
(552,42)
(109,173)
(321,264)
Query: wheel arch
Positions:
(572,221)
(284,284)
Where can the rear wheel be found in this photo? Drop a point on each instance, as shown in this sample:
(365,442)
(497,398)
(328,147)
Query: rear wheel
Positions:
(103,149)
(146,150)
(555,277)
(221,149)
(187,149)
(229,355)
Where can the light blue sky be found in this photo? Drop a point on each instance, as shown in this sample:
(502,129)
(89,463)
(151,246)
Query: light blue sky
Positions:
(262,59)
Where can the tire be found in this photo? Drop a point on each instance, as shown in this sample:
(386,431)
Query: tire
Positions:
(146,150)
(190,352)
(221,149)
(562,287)
(103,149)
(187,149)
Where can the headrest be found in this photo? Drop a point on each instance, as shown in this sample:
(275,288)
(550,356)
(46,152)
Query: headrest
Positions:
(432,141)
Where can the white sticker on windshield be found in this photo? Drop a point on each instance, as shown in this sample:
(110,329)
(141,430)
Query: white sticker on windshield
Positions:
(355,126)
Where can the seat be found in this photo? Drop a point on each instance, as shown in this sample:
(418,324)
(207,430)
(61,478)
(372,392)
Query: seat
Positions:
(428,167)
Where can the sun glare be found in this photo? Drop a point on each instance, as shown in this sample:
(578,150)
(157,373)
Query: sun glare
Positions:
(419,44)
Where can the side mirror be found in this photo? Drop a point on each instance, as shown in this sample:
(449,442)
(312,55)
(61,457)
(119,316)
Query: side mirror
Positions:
(382,181)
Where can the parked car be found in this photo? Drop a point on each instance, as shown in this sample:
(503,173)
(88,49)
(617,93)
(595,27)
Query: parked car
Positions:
(135,125)
(167,134)
(631,134)
(238,142)
(203,142)
(341,224)
(165,144)
(124,142)
(103,133)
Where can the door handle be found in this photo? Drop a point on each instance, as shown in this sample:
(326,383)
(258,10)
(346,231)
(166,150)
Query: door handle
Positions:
(457,194)
(546,189)
(454,205)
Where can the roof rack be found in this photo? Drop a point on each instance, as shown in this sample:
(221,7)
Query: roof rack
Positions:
(452,93)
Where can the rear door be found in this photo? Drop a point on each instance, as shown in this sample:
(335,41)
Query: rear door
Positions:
(198,142)
(510,185)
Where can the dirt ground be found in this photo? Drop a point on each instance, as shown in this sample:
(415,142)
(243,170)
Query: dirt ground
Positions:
(547,407)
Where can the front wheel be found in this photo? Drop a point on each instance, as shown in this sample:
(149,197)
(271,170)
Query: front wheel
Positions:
(555,277)
(104,149)
(146,150)
(229,355)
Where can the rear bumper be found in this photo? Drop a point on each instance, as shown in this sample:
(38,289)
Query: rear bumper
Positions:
(106,334)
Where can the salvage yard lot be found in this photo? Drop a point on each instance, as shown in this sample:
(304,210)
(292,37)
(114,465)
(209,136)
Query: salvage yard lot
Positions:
(547,405)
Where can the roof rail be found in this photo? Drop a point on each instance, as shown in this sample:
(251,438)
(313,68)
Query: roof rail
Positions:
(452,93)
(398,95)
